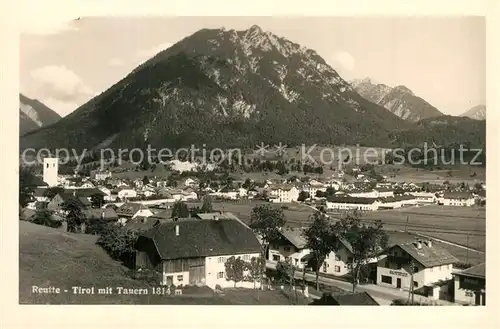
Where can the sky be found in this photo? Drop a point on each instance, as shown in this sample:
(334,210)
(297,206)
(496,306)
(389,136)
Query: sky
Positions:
(64,63)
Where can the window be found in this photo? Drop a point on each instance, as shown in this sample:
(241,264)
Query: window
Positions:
(180,278)
(276,258)
(337,268)
(325,265)
(287,248)
(415,269)
(415,284)
(47,165)
(337,258)
(386,279)
(296,261)
(246,258)
(220,275)
(221,259)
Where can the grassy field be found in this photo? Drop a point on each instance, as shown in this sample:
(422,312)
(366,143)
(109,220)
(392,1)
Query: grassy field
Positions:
(53,258)
(460,225)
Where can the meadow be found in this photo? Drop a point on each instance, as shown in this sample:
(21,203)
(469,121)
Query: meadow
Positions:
(53,258)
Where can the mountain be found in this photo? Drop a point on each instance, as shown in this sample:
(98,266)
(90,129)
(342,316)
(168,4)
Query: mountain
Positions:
(445,131)
(477,113)
(34,115)
(399,100)
(225,88)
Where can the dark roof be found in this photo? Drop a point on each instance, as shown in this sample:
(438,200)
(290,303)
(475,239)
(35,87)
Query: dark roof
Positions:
(357,299)
(352,200)
(39,191)
(164,214)
(428,256)
(140,223)
(105,213)
(84,192)
(457,195)
(129,209)
(66,197)
(477,271)
(201,238)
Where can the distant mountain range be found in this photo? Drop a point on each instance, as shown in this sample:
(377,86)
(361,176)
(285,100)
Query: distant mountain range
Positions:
(227,88)
(34,115)
(399,100)
(477,113)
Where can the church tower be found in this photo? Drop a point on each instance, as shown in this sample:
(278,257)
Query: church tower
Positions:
(50,169)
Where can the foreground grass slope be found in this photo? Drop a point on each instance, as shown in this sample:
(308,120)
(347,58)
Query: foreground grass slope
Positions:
(50,257)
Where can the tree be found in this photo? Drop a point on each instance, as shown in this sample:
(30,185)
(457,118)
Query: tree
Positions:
(247,183)
(255,269)
(145,180)
(180,210)
(321,240)
(266,221)
(97,200)
(234,269)
(286,275)
(207,205)
(119,243)
(303,196)
(51,192)
(26,185)
(366,241)
(44,217)
(74,214)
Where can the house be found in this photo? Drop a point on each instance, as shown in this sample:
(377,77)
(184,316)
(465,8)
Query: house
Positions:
(141,224)
(339,262)
(357,299)
(39,194)
(57,202)
(397,201)
(108,195)
(291,247)
(131,210)
(102,175)
(430,266)
(194,252)
(470,285)
(425,197)
(108,214)
(351,203)
(126,193)
(313,187)
(284,193)
(461,199)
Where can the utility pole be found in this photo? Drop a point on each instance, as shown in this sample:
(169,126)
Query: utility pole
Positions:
(410,291)
(467,250)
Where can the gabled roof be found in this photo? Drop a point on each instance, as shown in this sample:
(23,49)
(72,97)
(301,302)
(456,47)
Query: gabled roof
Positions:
(428,256)
(130,209)
(295,237)
(200,238)
(457,195)
(140,223)
(477,271)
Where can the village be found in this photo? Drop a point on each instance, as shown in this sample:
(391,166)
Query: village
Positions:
(190,233)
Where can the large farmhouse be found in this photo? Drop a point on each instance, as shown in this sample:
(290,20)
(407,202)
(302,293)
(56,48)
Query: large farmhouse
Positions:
(193,251)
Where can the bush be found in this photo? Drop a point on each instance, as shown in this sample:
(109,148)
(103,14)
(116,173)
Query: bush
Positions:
(119,243)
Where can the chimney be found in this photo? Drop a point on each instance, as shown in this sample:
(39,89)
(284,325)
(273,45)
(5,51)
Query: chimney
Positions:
(176,230)
(419,244)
